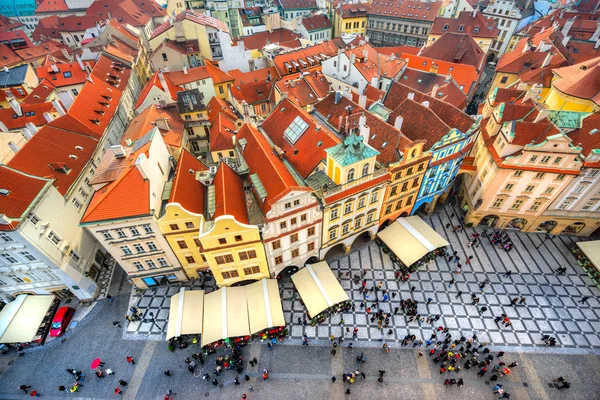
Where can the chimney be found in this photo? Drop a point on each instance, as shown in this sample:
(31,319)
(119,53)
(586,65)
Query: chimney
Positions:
(567,27)
(362,101)
(54,68)
(13,147)
(28,135)
(3,127)
(59,108)
(352,58)
(185,69)
(527,46)
(338,97)
(434,90)
(88,68)
(596,34)
(163,82)
(162,123)
(118,151)
(6,69)
(49,118)
(14,104)
(269,78)
(375,82)
(364,130)
(80,63)
(139,163)
(398,122)
(547,59)
(246,112)
(31,127)
(411,96)
(425,103)
(566,40)
(474,13)
(366,54)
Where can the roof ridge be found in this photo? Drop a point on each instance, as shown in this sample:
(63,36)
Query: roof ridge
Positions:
(49,180)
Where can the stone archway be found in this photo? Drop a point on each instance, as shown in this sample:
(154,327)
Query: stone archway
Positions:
(335,252)
(385,224)
(361,240)
(546,226)
(517,223)
(489,220)
(423,208)
(574,228)
(312,260)
(287,272)
(244,282)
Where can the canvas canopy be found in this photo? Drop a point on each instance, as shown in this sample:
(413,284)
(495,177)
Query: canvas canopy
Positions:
(264,305)
(410,239)
(225,315)
(185,313)
(20,319)
(318,288)
(592,251)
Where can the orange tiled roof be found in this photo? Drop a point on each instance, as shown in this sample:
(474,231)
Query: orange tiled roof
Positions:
(40,93)
(222,131)
(507,95)
(186,189)
(189,15)
(51,6)
(472,23)
(252,92)
(15,39)
(407,9)
(230,198)
(297,89)
(24,188)
(586,137)
(298,4)
(8,24)
(216,106)
(122,30)
(146,121)
(317,53)
(33,113)
(425,82)
(55,153)
(456,48)
(580,80)
(316,22)
(68,74)
(8,57)
(532,132)
(253,76)
(352,10)
(218,76)
(309,149)
(40,50)
(155,82)
(133,12)
(277,36)
(180,78)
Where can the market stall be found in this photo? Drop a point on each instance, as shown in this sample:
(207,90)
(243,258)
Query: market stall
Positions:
(264,309)
(27,319)
(225,319)
(410,240)
(320,291)
(185,313)
(588,257)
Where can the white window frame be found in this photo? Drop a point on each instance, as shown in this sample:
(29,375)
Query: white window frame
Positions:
(52,236)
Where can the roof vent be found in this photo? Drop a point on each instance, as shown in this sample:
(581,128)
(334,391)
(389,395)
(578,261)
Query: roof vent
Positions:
(4,192)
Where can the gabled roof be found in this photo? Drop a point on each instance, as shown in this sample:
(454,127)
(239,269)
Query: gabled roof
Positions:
(277,36)
(272,172)
(261,74)
(407,9)
(146,120)
(297,89)
(23,189)
(588,136)
(133,12)
(516,112)
(506,95)
(40,50)
(252,92)
(421,123)
(15,39)
(532,132)
(68,74)
(180,78)
(308,149)
(468,22)
(123,31)
(456,48)
(216,106)
(186,189)
(8,24)
(352,10)
(40,93)
(155,82)
(187,47)
(33,113)
(316,22)
(580,80)
(218,76)
(189,15)
(50,6)
(425,82)
(222,131)
(8,57)
(55,153)
(317,53)
(230,198)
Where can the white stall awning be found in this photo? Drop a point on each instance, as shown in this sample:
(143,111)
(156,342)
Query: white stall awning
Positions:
(20,319)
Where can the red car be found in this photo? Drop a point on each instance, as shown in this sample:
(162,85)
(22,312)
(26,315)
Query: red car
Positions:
(61,321)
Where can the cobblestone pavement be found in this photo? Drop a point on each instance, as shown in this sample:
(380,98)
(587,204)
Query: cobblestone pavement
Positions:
(551,300)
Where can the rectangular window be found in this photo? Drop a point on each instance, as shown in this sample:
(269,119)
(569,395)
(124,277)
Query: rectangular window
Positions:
(374,197)
(294,238)
(296,203)
(126,250)
(557,160)
(536,206)
(174,227)
(76,203)
(388,209)
(151,246)
(303,218)
(74,256)
(545,159)
(332,234)
(529,188)
(83,193)
(589,205)
(107,235)
(549,190)
(540,175)
(288,206)
(182,244)
(8,258)
(190,259)
(230,274)
(150,264)
(498,203)
(276,245)
(54,238)
(139,248)
(238,238)
(278,260)
(357,223)
(5,238)
(394,191)
(347,208)
(334,213)
(560,177)
(509,186)
(189,225)
(310,246)
(197,243)
(135,232)
(147,229)
(361,202)
(409,200)
(34,219)
(222,241)
(311,231)
(121,233)
(27,256)
(138,265)
(518,173)
(162,262)
(533,159)
(293,221)
(565,204)
(283,225)
(517,204)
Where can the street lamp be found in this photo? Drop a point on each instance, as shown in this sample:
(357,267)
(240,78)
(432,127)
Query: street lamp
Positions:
(548,236)
(151,320)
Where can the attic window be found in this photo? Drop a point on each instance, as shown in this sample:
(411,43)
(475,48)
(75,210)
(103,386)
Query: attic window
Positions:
(295,152)
(78,148)
(191,171)
(384,145)
(67,74)
(4,192)
(476,29)
(373,137)
(594,131)
(30,113)
(445,27)
(73,156)
(319,143)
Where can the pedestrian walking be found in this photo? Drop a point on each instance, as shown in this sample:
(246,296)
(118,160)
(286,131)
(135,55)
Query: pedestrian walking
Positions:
(122,382)
(483,309)
(507,274)
(118,390)
(458,294)
(514,301)
(522,301)
(460,382)
(265,375)
(130,360)
(215,382)
(380,379)
(109,298)
(451,282)
(236,381)
(333,379)
(333,351)
(34,394)
(347,391)
(117,324)
(513,364)
(24,388)
(584,299)
(412,289)
(167,373)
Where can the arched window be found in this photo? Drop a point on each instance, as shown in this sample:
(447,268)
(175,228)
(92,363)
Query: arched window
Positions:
(413,154)
(365,170)
(350,175)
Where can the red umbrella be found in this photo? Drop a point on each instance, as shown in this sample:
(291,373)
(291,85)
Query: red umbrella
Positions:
(506,371)
(95,364)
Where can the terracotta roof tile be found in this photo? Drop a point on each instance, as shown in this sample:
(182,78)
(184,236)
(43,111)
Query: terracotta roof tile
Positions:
(457,48)
(24,188)
(8,57)
(407,9)
(218,76)
(40,93)
(532,132)
(186,189)
(297,89)
(155,82)
(222,131)
(192,16)
(425,82)
(580,80)
(277,36)
(291,60)
(309,148)
(316,22)
(33,113)
(252,92)
(146,121)
(230,198)
(68,74)
(216,106)
(8,24)
(253,76)
(475,25)
(588,136)
(51,6)
(180,78)
(352,10)
(298,4)
(15,39)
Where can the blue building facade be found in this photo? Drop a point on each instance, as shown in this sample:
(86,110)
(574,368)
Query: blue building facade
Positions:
(17,8)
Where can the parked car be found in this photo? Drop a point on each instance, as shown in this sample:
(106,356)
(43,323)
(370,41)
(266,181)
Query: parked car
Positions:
(61,321)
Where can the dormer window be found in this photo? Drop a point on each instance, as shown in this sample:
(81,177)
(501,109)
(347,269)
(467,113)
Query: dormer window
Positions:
(445,27)
(461,28)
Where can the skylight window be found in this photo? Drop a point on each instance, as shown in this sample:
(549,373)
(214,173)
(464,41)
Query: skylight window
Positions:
(295,130)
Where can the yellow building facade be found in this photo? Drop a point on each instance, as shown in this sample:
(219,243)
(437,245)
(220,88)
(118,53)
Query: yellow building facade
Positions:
(350,18)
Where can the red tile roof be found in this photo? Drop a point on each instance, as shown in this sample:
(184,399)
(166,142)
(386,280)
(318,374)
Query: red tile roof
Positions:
(580,80)
(133,12)
(352,10)
(298,4)
(218,76)
(123,31)
(189,15)
(253,76)
(68,74)
(532,132)
(15,39)
(317,52)
(186,189)
(586,137)
(507,95)
(126,192)
(146,121)
(12,121)
(222,131)
(456,48)
(8,57)
(40,93)
(69,123)
(407,9)
(309,149)
(420,122)
(40,50)
(55,153)
(9,24)
(216,106)
(316,22)
(24,188)
(277,36)
(230,198)
(51,6)
(261,160)
(297,89)
(398,50)
(155,82)
(425,82)
(180,78)
(252,92)
(474,25)
(515,112)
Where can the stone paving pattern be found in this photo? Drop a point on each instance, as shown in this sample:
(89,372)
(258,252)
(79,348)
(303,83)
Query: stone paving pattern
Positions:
(552,300)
